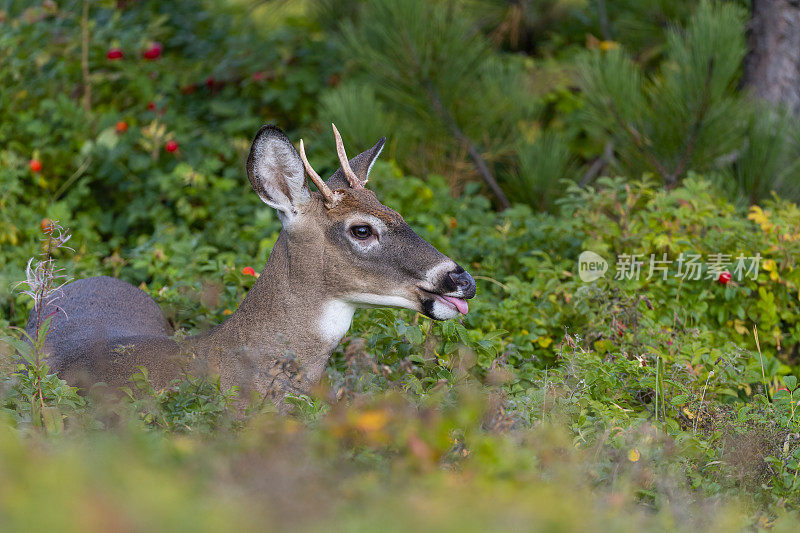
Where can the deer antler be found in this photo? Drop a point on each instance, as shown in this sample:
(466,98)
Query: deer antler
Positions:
(355,183)
(331,197)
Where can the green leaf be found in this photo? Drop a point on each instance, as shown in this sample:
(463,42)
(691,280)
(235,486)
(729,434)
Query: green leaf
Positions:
(782,394)
(790,382)
(414,335)
(53,421)
(680,399)
(672,425)
(108,138)
(23,348)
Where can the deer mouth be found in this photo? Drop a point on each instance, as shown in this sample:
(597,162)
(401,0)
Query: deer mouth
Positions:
(459,304)
(456,304)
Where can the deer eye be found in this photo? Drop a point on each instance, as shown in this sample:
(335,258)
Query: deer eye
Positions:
(361,232)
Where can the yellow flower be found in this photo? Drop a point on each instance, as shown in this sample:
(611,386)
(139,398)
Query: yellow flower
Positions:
(633,455)
(544,342)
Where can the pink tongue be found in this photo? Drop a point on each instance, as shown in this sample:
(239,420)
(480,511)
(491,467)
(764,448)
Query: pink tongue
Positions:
(460,304)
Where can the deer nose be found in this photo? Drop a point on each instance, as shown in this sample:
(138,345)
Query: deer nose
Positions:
(464,282)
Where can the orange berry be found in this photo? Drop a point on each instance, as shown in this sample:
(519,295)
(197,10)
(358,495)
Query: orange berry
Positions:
(47,225)
(248,271)
(121,126)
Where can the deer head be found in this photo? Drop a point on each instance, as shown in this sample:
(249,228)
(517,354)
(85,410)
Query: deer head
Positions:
(361,252)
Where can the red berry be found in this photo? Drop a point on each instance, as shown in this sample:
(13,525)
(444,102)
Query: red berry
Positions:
(724,278)
(171,146)
(259,76)
(36,165)
(188,89)
(248,271)
(210,81)
(154,52)
(121,126)
(151,106)
(114,53)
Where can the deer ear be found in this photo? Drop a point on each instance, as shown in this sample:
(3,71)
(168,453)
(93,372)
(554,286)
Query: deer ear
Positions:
(276,173)
(361,165)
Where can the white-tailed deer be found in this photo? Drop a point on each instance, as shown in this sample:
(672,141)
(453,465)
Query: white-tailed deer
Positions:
(340,249)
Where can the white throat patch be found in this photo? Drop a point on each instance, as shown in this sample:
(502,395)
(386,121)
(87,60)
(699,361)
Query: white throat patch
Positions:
(335,320)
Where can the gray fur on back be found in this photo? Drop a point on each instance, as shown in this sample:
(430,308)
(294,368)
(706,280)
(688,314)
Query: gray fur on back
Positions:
(95,317)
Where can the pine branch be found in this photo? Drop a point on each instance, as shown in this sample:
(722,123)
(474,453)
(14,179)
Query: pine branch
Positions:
(598,164)
(462,138)
(436,102)
(637,140)
(694,131)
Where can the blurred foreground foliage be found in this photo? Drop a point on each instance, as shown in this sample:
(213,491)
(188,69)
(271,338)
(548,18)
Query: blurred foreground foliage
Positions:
(646,402)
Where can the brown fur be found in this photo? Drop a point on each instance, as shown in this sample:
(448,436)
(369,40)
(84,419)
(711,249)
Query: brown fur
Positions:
(365,201)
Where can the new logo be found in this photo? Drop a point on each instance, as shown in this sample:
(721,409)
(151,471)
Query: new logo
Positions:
(591,266)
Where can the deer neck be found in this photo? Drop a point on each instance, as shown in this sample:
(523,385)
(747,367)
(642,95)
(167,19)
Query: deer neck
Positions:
(287,316)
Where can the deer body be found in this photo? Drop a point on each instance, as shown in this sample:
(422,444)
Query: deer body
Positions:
(340,249)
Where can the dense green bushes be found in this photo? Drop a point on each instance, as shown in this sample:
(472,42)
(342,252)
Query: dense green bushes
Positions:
(647,400)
